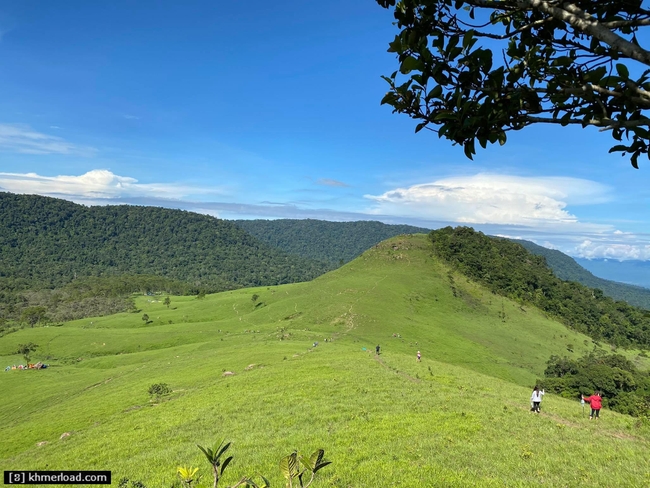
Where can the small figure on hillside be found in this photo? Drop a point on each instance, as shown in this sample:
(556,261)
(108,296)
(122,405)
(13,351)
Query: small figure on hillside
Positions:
(419,357)
(536,399)
(595,401)
(377,349)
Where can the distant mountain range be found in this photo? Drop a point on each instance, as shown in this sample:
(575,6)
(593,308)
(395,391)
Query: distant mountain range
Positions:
(631,272)
(51,244)
(566,268)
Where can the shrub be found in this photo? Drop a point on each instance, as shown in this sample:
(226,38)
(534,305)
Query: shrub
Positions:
(159,389)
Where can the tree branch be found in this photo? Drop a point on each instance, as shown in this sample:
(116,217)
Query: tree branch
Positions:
(617,24)
(604,123)
(584,22)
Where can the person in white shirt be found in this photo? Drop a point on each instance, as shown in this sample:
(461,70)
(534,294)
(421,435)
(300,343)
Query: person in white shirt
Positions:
(536,399)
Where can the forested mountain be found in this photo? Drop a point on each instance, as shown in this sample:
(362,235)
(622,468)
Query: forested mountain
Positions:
(48,243)
(332,242)
(566,268)
(508,269)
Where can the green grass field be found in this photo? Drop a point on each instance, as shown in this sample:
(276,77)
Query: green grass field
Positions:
(458,418)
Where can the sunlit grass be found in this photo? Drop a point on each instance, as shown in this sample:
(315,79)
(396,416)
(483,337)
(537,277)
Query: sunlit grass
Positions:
(459,418)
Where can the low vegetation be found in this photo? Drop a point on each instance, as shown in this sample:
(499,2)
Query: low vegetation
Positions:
(301,372)
(625,388)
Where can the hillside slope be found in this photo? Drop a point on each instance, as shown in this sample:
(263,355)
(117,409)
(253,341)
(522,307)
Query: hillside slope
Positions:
(47,242)
(566,268)
(331,242)
(459,418)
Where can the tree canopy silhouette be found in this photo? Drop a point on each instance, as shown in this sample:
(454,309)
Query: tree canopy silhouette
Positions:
(473,70)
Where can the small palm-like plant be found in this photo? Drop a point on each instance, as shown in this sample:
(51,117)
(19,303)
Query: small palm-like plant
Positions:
(214,458)
(296,467)
(187,476)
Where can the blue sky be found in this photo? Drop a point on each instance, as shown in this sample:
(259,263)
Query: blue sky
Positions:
(271,110)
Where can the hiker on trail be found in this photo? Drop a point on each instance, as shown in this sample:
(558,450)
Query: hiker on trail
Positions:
(595,401)
(536,399)
(377,349)
(419,357)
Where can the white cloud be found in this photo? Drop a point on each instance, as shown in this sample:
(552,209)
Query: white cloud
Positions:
(96,184)
(612,250)
(23,139)
(493,199)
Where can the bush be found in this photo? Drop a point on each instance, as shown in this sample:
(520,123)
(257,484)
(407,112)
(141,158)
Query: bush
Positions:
(159,389)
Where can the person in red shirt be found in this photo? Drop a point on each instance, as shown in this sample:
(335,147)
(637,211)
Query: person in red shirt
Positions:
(595,401)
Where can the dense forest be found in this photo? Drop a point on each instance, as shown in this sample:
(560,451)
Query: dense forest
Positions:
(624,388)
(508,269)
(48,244)
(566,268)
(335,243)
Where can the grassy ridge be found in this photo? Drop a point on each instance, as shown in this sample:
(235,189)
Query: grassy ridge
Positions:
(459,418)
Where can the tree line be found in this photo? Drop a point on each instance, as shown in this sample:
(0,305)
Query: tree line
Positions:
(508,269)
(49,244)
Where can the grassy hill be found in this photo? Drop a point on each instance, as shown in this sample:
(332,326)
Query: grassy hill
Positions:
(566,268)
(329,242)
(459,418)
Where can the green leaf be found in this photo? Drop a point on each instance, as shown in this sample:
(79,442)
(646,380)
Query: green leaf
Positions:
(289,465)
(306,462)
(409,64)
(469,150)
(316,457)
(266,484)
(435,92)
(622,71)
(225,464)
(618,148)
(502,138)
(467,38)
(207,452)
(322,465)
(224,449)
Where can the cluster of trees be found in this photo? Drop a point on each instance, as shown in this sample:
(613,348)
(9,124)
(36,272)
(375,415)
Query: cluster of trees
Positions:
(567,269)
(625,388)
(333,243)
(508,269)
(76,260)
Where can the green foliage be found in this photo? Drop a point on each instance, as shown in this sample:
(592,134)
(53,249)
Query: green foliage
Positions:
(167,302)
(56,254)
(188,476)
(334,243)
(295,467)
(478,69)
(213,456)
(566,268)
(33,315)
(159,389)
(26,350)
(625,389)
(508,269)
